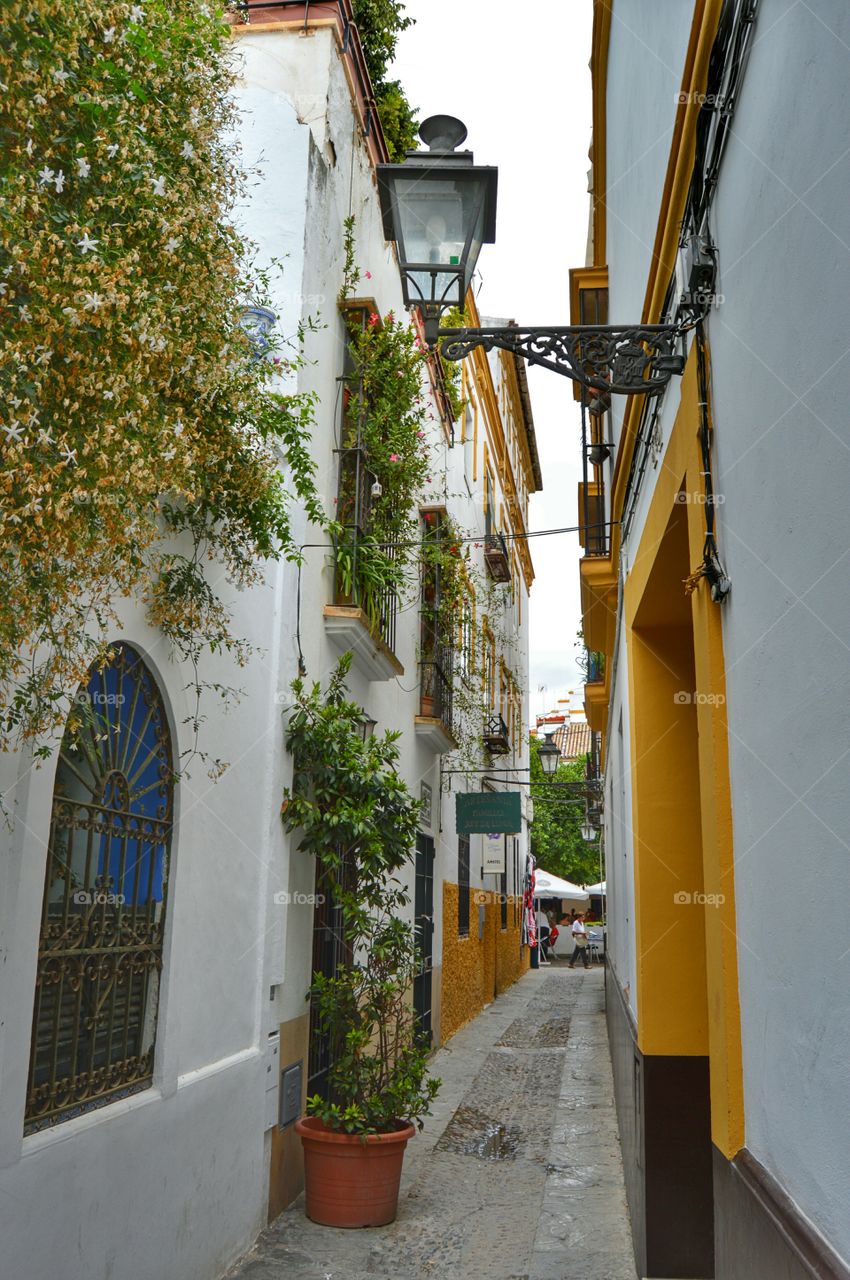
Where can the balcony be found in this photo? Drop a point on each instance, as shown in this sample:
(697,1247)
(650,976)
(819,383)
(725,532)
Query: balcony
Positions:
(496,557)
(433,725)
(496,739)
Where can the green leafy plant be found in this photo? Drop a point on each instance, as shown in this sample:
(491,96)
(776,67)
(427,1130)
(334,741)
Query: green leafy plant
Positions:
(556,839)
(141,433)
(379,23)
(384,459)
(454,318)
(354,813)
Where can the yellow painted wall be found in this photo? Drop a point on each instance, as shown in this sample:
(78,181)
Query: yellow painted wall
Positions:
(474,969)
(681,790)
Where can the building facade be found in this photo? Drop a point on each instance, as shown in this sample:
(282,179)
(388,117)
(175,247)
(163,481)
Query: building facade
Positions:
(715,203)
(159,936)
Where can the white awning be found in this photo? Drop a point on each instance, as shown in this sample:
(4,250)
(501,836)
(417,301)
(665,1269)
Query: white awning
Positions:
(548,886)
(597,889)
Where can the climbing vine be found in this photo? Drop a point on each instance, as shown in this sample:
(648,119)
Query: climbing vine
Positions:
(141,433)
(355,815)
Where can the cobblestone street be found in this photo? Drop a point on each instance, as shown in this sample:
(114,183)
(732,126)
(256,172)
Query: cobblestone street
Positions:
(517,1175)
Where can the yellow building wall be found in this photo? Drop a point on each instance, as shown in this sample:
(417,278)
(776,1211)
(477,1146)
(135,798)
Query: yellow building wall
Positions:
(475,970)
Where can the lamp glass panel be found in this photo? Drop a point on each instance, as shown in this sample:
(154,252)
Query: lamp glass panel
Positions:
(439,221)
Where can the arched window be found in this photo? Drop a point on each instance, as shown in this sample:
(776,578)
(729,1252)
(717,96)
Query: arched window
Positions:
(102,924)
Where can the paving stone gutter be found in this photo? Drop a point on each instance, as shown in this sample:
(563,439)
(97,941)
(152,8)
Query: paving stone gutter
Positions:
(517,1174)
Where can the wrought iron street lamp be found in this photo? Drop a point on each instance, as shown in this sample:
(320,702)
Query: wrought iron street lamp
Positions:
(589,833)
(549,755)
(366,726)
(439,208)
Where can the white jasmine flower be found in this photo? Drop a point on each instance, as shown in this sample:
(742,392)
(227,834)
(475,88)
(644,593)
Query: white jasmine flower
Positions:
(188,151)
(24,312)
(14,432)
(28,147)
(112,150)
(59,181)
(194,115)
(158,185)
(178,428)
(69,456)
(109,35)
(137,13)
(83,167)
(109,395)
(87,245)
(45,175)
(61,75)
(172,244)
(93,302)
(44,437)
(40,99)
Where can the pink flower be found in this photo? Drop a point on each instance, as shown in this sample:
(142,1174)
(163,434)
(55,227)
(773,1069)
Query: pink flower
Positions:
(373,319)
(368,275)
(394,457)
(421,435)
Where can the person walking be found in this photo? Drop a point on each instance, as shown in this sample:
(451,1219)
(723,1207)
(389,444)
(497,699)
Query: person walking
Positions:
(581,942)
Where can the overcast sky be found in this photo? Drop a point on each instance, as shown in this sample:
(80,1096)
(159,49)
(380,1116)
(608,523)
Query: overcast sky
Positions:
(518,76)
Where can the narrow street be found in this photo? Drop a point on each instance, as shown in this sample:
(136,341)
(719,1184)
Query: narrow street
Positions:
(517,1174)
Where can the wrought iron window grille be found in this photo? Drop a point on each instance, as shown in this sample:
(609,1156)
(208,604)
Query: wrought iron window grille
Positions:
(103,919)
(496,738)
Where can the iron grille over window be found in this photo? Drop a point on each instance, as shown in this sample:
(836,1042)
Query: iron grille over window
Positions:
(359,495)
(103,919)
(463,886)
(331,952)
(436,634)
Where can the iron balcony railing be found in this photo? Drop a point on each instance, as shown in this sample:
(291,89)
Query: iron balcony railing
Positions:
(437,685)
(496,737)
(595,667)
(358,555)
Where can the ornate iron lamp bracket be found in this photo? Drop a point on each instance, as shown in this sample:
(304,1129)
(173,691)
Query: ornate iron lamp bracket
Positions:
(613,358)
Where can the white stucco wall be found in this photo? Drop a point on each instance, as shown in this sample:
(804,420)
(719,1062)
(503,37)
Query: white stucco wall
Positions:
(171,1180)
(646,55)
(781,384)
(174,1181)
(782,448)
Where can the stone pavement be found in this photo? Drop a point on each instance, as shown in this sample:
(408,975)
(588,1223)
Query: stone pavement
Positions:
(517,1174)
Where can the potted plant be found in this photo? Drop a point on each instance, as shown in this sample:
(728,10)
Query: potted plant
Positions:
(353,811)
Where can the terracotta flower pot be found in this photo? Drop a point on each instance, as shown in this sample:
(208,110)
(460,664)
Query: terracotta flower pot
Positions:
(351,1181)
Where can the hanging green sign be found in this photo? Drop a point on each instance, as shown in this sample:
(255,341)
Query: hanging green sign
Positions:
(488,811)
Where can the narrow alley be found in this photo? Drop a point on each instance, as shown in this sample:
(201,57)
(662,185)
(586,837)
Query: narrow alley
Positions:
(517,1174)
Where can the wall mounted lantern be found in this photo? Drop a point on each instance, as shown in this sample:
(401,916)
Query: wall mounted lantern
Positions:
(439,208)
(549,755)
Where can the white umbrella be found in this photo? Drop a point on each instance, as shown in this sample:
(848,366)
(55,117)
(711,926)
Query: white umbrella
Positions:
(549,886)
(597,889)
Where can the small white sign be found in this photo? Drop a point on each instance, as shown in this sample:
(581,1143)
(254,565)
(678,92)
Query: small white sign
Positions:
(493,853)
(425,796)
